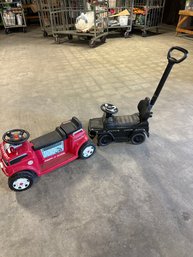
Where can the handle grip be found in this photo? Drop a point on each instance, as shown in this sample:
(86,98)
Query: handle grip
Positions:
(173,60)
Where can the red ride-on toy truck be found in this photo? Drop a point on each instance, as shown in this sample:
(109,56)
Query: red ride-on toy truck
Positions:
(22,160)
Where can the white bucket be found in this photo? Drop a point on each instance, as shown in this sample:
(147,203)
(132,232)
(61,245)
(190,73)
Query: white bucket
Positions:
(123,20)
(19,19)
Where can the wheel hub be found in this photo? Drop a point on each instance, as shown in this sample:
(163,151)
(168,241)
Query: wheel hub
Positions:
(88,151)
(21,183)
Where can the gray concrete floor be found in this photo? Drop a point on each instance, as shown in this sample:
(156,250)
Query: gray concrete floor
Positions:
(127,201)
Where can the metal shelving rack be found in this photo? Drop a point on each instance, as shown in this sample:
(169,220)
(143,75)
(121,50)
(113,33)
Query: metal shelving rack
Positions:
(12,15)
(121,23)
(148,15)
(65,24)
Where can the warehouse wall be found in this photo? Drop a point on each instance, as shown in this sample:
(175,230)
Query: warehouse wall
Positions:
(171,11)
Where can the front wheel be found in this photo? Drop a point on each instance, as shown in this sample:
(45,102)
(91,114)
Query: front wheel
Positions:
(104,140)
(7,31)
(87,150)
(21,181)
(126,34)
(138,138)
(92,43)
(103,39)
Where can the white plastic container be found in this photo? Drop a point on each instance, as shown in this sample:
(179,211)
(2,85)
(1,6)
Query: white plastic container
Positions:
(123,20)
(19,19)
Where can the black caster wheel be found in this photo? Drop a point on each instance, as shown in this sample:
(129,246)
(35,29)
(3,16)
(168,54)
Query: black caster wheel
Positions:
(57,40)
(144,34)
(92,43)
(70,37)
(126,34)
(45,34)
(24,30)
(103,39)
(7,31)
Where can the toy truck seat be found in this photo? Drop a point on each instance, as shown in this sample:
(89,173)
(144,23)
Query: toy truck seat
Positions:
(47,140)
(71,126)
(125,121)
(59,134)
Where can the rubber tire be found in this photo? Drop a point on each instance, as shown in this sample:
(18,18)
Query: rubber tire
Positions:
(144,34)
(138,138)
(126,34)
(22,174)
(103,39)
(70,37)
(92,43)
(45,34)
(7,31)
(57,40)
(104,140)
(83,147)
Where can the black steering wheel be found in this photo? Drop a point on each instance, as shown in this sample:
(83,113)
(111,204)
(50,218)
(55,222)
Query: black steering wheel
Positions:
(16,136)
(109,108)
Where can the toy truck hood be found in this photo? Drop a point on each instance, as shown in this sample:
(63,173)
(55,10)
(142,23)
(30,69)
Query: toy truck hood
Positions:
(7,154)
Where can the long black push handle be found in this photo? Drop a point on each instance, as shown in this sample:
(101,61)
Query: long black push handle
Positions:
(171,62)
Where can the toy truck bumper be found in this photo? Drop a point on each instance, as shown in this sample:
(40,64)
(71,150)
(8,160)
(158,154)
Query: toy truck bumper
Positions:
(94,126)
(3,168)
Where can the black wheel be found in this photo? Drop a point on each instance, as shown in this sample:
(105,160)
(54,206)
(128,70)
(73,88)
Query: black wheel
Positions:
(87,150)
(24,30)
(57,40)
(103,39)
(126,34)
(92,43)
(70,37)
(45,34)
(144,34)
(7,31)
(138,138)
(21,181)
(104,140)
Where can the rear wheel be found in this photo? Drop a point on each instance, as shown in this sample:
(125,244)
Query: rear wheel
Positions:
(103,39)
(104,140)
(21,181)
(138,138)
(87,150)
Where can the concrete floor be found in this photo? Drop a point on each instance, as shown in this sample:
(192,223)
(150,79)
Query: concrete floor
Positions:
(126,201)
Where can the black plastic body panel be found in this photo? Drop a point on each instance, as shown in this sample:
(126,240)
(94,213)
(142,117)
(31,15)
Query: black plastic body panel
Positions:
(120,130)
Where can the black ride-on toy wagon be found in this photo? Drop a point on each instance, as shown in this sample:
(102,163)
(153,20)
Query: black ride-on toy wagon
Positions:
(135,127)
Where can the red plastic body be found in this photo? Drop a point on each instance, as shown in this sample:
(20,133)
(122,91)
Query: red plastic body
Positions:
(34,160)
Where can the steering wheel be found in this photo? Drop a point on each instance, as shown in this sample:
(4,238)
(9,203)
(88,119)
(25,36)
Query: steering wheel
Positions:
(109,108)
(16,136)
